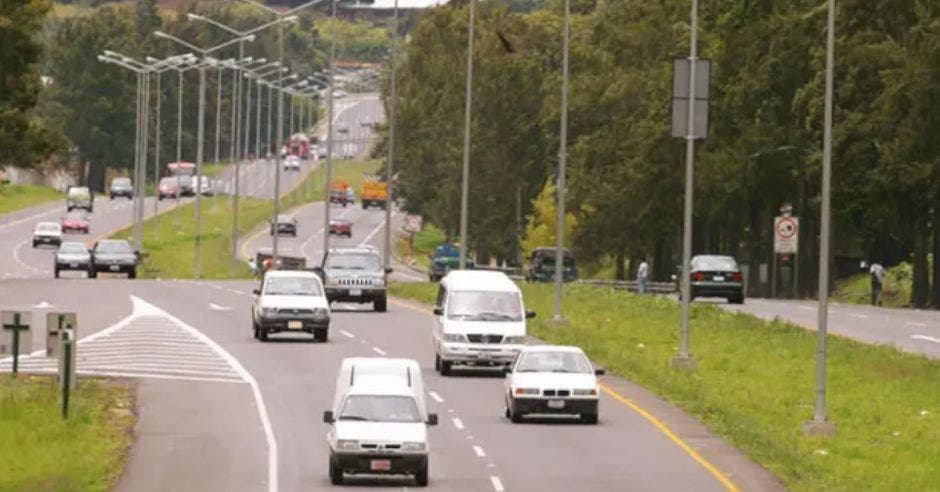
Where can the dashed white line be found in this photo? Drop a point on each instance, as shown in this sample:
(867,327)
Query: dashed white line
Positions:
(436,396)
(497,483)
(373,233)
(926,338)
(914,323)
(457,423)
(479,452)
(806,308)
(378,351)
(858,316)
(347,334)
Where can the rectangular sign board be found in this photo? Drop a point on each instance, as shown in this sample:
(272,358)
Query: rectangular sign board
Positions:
(786,235)
(19,321)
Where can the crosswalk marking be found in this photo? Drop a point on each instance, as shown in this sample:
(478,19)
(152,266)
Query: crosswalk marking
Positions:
(145,345)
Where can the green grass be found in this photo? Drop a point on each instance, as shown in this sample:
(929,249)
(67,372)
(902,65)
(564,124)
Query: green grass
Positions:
(17,197)
(896,293)
(41,451)
(169,243)
(755,387)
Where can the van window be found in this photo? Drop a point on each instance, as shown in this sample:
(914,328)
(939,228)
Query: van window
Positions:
(380,408)
(441,295)
(485,306)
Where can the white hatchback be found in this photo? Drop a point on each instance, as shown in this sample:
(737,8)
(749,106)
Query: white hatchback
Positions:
(552,380)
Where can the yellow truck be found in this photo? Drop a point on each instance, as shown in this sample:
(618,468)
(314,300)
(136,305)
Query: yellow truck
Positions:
(374,191)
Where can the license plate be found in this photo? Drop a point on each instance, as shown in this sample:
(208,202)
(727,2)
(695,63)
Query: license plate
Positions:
(381,465)
(556,404)
(115,268)
(718,278)
(73,265)
(355,292)
(295,325)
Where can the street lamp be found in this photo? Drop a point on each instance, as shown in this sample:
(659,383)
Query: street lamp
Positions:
(201,129)
(562,160)
(465,182)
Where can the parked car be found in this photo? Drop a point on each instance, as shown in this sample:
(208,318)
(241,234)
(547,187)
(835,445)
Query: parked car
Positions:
(717,276)
(75,221)
(47,233)
(168,188)
(541,267)
(284,225)
(113,256)
(552,380)
(80,197)
(72,255)
(122,186)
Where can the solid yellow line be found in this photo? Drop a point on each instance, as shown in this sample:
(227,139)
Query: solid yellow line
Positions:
(721,477)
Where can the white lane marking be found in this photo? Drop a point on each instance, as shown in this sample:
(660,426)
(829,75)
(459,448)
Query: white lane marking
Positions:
(16,256)
(378,351)
(373,233)
(218,307)
(497,483)
(237,292)
(436,396)
(347,334)
(857,316)
(479,452)
(914,323)
(806,308)
(926,338)
(457,423)
(30,218)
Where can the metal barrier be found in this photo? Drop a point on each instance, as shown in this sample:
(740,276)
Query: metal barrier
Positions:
(631,285)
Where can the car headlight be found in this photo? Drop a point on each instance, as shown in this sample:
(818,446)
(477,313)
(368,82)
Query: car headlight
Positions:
(455,338)
(412,446)
(321,313)
(347,445)
(584,392)
(268,311)
(526,391)
(515,340)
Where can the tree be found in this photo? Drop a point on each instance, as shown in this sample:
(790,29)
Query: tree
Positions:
(542,223)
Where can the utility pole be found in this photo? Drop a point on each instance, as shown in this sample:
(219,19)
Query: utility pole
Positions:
(465,182)
(560,191)
(329,141)
(389,168)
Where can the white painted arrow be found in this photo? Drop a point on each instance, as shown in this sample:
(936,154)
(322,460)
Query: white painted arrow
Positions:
(216,307)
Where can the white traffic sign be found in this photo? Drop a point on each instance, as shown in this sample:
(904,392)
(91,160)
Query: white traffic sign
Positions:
(786,235)
(14,330)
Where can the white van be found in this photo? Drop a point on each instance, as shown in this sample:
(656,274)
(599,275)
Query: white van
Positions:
(481,320)
(379,420)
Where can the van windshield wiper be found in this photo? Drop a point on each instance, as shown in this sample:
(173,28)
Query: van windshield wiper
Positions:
(489,314)
(355,417)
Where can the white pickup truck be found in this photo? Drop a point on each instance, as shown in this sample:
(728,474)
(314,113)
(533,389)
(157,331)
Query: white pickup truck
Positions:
(290,301)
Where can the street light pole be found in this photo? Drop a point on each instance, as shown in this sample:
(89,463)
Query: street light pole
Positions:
(329,141)
(197,272)
(247,135)
(258,120)
(280,138)
(684,359)
(156,159)
(179,143)
(562,160)
(465,183)
(389,168)
(218,112)
(819,425)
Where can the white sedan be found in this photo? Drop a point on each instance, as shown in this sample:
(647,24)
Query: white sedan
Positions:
(292,163)
(552,380)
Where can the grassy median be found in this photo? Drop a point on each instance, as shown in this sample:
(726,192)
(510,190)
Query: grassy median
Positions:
(755,385)
(41,451)
(169,240)
(17,197)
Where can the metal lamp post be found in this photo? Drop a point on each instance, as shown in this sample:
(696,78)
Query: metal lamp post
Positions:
(465,180)
(562,159)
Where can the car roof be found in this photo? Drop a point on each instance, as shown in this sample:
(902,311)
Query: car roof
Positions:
(285,217)
(114,241)
(354,251)
(551,348)
(478,280)
(47,224)
(290,274)
(73,244)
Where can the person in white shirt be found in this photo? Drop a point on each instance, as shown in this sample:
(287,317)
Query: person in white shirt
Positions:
(877,283)
(642,276)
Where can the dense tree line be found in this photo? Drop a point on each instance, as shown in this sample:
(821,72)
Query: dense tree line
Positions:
(626,172)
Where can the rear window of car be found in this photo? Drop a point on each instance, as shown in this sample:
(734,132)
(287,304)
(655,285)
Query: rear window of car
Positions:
(718,263)
(48,227)
(72,248)
(114,247)
(79,193)
(121,182)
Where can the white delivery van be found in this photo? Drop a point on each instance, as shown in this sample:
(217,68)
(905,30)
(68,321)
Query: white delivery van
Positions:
(379,420)
(481,320)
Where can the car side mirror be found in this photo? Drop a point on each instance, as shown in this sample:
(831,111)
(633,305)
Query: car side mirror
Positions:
(432,419)
(529,314)
(389,270)
(599,372)
(328,417)
(256,292)
(438,311)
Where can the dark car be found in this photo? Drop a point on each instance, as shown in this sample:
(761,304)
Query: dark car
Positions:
(72,256)
(355,275)
(113,256)
(75,221)
(445,258)
(717,276)
(541,266)
(285,225)
(340,227)
(122,186)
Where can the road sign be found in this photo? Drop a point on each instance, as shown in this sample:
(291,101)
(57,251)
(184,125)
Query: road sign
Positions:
(15,337)
(56,324)
(680,97)
(786,235)
(413,223)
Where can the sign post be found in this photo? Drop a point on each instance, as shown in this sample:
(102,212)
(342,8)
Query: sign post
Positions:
(13,341)
(67,370)
(786,242)
(59,326)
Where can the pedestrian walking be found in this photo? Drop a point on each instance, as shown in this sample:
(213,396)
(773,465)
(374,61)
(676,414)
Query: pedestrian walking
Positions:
(877,283)
(642,276)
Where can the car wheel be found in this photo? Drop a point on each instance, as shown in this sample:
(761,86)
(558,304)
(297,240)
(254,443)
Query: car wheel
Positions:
(421,476)
(738,299)
(446,367)
(437,362)
(321,335)
(515,417)
(56,272)
(336,474)
(92,273)
(262,334)
(132,273)
(380,305)
(589,418)
(255,329)
(34,244)
(112,197)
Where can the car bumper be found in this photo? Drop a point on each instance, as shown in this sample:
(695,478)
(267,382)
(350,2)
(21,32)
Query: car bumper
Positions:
(47,240)
(551,406)
(75,229)
(354,294)
(716,289)
(83,267)
(285,324)
(122,268)
(479,354)
(128,194)
(399,464)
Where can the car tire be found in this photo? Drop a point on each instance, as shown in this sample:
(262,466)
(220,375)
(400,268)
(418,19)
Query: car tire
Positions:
(738,299)
(421,476)
(321,335)
(336,474)
(365,206)
(256,331)
(437,362)
(262,334)
(380,305)
(56,273)
(446,367)
(132,273)
(92,273)
(514,417)
(34,244)
(589,418)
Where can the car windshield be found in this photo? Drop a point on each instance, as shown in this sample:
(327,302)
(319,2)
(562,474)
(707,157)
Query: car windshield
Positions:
(380,408)
(114,247)
(292,286)
(485,306)
(715,263)
(168,182)
(553,361)
(75,216)
(121,182)
(48,227)
(73,248)
(368,262)
(79,193)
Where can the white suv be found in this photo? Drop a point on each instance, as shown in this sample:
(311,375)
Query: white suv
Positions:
(290,301)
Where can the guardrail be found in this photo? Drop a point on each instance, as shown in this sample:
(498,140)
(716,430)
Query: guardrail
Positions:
(631,285)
